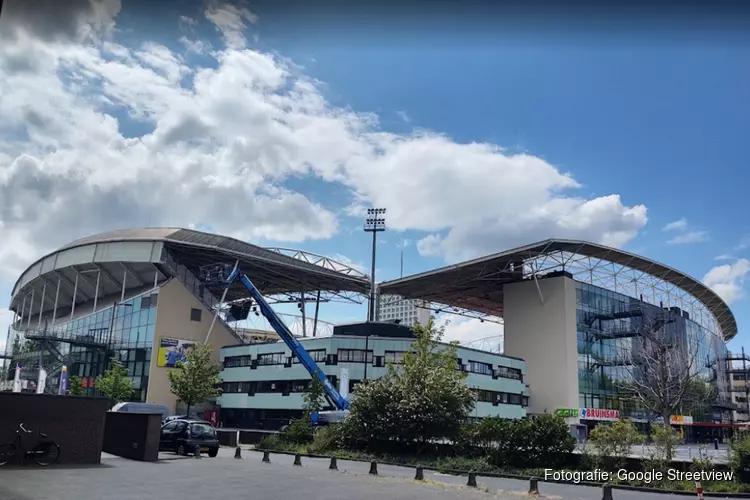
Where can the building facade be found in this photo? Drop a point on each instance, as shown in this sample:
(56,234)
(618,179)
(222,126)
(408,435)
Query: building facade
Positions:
(407,312)
(263,384)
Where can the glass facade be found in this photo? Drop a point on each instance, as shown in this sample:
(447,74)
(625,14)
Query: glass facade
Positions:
(130,333)
(609,326)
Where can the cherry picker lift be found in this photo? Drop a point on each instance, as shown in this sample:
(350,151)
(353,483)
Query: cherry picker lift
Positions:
(224,275)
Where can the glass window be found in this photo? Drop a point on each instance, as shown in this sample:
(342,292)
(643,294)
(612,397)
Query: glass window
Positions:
(354,356)
(195,314)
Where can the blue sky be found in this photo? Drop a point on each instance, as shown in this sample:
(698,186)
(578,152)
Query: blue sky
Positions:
(661,124)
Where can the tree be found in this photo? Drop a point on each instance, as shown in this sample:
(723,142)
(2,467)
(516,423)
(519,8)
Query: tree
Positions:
(424,399)
(197,378)
(75,386)
(314,398)
(665,374)
(115,383)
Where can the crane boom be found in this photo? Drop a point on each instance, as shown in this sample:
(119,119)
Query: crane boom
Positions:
(218,273)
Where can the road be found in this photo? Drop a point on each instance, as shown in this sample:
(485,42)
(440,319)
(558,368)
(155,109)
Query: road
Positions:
(224,477)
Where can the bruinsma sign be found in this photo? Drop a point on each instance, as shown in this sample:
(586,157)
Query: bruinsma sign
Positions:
(589,413)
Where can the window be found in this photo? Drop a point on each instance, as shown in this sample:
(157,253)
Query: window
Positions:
(505,372)
(354,356)
(481,368)
(274,358)
(195,314)
(395,357)
(300,385)
(318,355)
(237,361)
(485,396)
(739,376)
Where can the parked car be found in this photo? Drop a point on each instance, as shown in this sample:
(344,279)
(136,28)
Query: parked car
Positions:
(183,435)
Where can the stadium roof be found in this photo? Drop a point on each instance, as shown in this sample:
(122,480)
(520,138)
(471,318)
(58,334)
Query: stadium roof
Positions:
(142,256)
(476,284)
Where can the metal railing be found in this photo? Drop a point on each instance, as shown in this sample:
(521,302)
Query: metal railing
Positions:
(199,291)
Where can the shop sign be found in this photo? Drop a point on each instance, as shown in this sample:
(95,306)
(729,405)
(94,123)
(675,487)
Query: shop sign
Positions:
(599,414)
(567,412)
(681,420)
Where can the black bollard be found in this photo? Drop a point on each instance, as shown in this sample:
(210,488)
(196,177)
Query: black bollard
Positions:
(267,456)
(374,468)
(472,480)
(419,475)
(533,486)
(333,465)
(297,459)
(238,453)
(606,491)
(197,452)
(716,443)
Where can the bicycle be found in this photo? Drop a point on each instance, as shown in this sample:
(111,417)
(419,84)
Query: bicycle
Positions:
(46,452)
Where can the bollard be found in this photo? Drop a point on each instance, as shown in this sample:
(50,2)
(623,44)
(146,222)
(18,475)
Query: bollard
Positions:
(374,468)
(197,452)
(472,480)
(419,475)
(238,453)
(267,456)
(333,465)
(533,486)
(297,459)
(606,491)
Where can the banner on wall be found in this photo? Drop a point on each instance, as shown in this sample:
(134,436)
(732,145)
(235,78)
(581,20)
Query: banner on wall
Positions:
(172,351)
(41,382)
(63,380)
(17,380)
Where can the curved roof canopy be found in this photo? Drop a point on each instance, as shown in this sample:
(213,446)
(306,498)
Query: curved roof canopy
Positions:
(142,257)
(475,284)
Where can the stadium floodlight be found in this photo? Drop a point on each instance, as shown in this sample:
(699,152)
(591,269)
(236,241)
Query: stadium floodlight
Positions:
(374,223)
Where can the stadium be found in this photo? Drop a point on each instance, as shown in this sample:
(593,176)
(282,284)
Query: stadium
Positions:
(573,312)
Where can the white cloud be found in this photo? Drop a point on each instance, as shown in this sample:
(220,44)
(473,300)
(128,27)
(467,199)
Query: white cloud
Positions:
(724,256)
(214,146)
(728,280)
(472,331)
(678,225)
(343,259)
(689,237)
(6,318)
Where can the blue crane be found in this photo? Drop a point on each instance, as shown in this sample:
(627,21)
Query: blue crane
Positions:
(225,275)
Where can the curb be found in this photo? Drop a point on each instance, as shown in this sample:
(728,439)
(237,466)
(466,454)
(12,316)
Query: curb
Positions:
(520,477)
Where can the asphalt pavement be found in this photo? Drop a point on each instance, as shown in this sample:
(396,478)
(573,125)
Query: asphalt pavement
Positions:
(174,478)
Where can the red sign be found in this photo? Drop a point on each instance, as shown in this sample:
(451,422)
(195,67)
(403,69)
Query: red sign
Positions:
(599,414)
(92,381)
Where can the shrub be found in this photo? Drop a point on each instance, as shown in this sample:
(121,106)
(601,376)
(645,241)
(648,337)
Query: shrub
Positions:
(326,439)
(740,458)
(299,432)
(612,443)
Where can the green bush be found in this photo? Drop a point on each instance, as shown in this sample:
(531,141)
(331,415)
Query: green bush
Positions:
(612,443)
(299,432)
(326,439)
(740,458)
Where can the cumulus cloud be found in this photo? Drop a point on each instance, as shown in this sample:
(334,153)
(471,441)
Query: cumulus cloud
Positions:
(97,135)
(678,225)
(473,332)
(728,280)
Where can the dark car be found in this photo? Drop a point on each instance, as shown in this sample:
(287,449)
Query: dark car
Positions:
(183,435)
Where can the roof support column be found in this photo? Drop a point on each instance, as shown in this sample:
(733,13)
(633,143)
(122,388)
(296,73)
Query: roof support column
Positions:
(156,277)
(302,310)
(124,280)
(75,293)
(57,296)
(23,310)
(31,309)
(41,305)
(317,309)
(96,290)
(538,288)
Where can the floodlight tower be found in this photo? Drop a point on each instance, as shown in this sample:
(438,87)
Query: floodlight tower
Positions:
(375,223)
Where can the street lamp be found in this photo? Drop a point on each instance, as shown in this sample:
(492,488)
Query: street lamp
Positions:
(374,224)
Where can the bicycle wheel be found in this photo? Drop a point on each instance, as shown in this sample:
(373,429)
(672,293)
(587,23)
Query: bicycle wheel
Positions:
(46,453)
(7,452)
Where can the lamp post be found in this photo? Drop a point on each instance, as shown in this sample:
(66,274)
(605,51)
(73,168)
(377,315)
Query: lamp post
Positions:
(375,223)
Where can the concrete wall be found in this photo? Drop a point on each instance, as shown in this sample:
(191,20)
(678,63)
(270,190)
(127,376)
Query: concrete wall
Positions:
(544,335)
(173,320)
(76,424)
